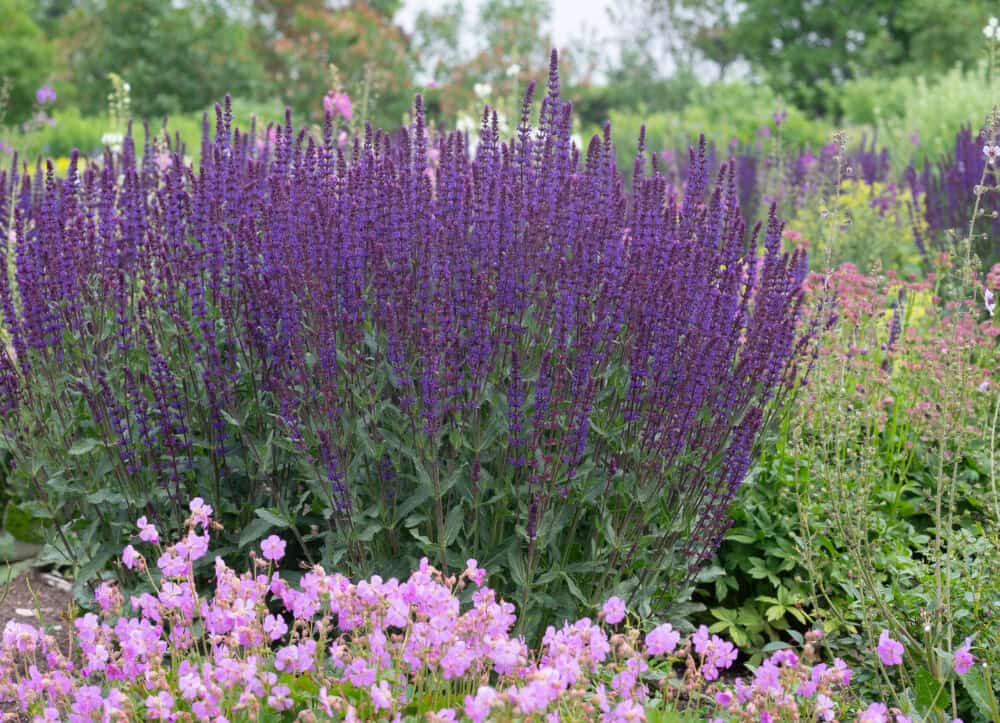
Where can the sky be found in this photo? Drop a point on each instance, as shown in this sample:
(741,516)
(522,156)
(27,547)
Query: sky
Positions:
(570,18)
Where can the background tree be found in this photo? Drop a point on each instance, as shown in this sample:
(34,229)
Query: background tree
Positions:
(25,59)
(803,48)
(300,39)
(437,40)
(174,58)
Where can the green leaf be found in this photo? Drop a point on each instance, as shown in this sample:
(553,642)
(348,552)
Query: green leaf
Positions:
(230,418)
(105,496)
(81,590)
(266,456)
(84,446)
(453,525)
(775,612)
(275,519)
(369,532)
(254,531)
(975,685)
(930,693)
(518,572)
(6,546)
(10,572)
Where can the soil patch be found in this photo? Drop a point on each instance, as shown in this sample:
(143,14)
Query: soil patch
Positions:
(39,598)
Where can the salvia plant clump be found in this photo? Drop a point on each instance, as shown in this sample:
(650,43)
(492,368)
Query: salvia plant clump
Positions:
(959,187)
(396,348)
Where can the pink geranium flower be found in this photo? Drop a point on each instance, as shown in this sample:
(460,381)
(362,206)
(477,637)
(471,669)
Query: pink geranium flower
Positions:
(890,651)
(963,658)
(273,548)
(613,611)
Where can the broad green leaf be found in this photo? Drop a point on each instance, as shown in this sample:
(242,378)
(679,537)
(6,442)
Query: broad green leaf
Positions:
(453,525)
(254,531)
(930,693)
(272,517)
(84,446)
(977,688)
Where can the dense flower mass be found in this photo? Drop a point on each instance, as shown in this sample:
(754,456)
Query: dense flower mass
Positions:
(330,649)
(388,338)
(955,185)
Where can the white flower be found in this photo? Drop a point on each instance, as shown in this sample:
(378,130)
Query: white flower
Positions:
(503,127)
(514,71)
(989,300)
(993,21)
(113,140)
(990,31)
(577,140)
(482,90)
(466,124)
(992,153)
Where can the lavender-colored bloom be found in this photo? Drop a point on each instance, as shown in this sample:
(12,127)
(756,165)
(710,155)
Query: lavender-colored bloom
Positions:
(949,194)
(45,95)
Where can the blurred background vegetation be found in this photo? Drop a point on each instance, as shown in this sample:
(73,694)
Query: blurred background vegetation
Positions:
(909,71)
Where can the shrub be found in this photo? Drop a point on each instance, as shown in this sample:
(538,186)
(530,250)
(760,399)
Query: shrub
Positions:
(737,113)
(25,61)
(917,117)
(70,130)
(863,224)
(396,352)
(897,494)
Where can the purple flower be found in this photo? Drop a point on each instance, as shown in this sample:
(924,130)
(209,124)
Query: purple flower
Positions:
(875,713)
(963,658)
(662,640)
(381,696)
(890,651)
(147,532)
(130,558)
(45,95)
(273,548)
(338,103)
(613,611)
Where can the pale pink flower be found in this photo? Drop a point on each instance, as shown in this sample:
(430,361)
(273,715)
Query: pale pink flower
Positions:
(890,651)
(613,611)
(338,103)
(963,658)
(273,548)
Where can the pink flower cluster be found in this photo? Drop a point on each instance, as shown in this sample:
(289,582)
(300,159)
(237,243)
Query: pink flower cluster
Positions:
(374,650)
(337,103)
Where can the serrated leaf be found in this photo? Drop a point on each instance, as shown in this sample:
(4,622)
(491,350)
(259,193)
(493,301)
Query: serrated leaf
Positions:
(975,685)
